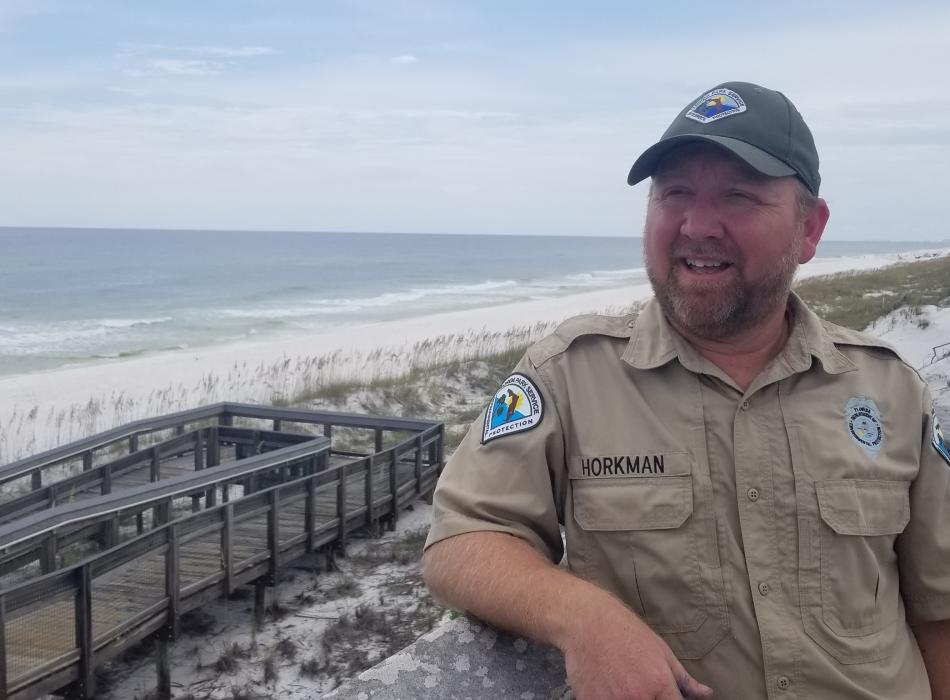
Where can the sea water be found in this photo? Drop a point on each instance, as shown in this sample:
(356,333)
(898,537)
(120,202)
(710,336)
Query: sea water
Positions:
(78,295)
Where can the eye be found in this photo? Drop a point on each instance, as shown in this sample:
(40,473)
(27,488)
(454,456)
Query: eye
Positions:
(740,196)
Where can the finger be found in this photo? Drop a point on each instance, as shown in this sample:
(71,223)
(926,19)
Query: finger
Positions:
(690,688)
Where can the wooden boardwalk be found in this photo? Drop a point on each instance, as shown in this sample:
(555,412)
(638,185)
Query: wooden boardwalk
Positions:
(54,630)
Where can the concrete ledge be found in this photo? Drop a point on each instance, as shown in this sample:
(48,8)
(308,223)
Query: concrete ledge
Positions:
(463,660)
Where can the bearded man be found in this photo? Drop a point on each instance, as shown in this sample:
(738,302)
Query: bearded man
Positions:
(754,501)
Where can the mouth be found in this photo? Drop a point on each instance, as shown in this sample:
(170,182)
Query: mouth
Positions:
(705,266)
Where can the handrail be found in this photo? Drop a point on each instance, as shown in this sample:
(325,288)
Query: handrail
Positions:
(22,467)
(73,661)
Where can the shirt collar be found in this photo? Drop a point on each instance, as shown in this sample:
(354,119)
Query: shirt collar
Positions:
(654,342)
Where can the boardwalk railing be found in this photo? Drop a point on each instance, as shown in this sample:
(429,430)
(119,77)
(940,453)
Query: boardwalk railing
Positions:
(57,627)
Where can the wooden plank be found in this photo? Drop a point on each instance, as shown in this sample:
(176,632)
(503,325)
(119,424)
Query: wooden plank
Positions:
(172,584)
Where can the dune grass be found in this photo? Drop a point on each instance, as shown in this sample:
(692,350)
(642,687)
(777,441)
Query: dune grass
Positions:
(857,299)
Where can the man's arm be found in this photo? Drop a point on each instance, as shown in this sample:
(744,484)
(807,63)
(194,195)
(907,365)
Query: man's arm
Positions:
(933,638)
(609,652)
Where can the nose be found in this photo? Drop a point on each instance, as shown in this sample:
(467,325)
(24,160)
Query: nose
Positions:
(701,220)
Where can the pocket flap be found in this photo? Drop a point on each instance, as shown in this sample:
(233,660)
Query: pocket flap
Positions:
(638,503)
(859,507)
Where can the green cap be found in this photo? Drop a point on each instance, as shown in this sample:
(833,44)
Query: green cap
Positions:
(759,125)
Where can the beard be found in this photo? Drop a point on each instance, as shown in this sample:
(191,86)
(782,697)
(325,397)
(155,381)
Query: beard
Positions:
(722,309)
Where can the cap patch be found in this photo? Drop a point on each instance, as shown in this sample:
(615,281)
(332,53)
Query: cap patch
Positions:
(864,424)
(939,441)
(716,104)
(517,406)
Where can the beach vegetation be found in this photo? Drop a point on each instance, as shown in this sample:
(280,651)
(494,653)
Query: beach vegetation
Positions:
(857,299)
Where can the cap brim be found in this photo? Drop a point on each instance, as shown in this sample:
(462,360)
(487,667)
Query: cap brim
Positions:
(755,157)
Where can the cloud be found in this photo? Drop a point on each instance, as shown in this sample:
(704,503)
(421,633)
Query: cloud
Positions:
(404,60)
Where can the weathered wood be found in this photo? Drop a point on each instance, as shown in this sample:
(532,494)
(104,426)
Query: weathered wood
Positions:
(106,479)
(83,619)
(155,468)
(133,443)
(260,603)
(172,584)
(3,644)
(310,512)
(199,450)
(227,549)
(273,534)
(394,515)
(36,480)
(163,687)
(87,460)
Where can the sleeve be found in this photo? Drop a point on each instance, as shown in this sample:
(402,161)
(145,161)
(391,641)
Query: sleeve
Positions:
(924,547)
(508,471)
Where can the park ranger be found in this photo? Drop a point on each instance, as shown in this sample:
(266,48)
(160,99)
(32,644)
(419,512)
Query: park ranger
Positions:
(754,501)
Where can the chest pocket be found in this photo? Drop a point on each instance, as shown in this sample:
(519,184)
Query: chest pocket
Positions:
(848,567)
(642,539)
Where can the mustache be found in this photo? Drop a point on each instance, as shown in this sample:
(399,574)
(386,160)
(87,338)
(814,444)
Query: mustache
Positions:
(706,250)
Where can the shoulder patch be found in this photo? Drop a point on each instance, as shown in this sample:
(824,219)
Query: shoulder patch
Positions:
(517,406)
(939,441)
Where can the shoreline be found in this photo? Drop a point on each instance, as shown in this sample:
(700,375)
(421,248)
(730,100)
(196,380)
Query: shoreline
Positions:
(83,399)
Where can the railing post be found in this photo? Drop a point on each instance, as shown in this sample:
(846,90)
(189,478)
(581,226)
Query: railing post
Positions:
(214,447)
(133,443)
(155,472)
(394,515)
(172,589)
(418,465)
(49,553)
(277,425)
(106,479)
(36,479)
(225,419)
(3,647)
(341,506)
(87,460)
(199,449)
(440,452)
(328,430)
(83,611)
(227,551)
(273,535)
(378,440)
(310,508)
(370,494)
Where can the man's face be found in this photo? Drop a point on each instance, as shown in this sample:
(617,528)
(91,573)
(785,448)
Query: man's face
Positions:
(722,242)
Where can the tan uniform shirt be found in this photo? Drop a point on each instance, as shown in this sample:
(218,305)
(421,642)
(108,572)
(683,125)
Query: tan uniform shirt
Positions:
(772,537)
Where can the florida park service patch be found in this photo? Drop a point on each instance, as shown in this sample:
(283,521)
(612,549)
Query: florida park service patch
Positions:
(516,406)
(939,441)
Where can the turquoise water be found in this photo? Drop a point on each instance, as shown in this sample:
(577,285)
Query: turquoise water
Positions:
(69,296)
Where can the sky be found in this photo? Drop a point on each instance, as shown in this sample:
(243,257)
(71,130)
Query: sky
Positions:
(446,117)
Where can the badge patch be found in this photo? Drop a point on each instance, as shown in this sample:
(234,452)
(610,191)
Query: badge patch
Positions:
(864,424)
(716,104)
(517,406)
(939,441)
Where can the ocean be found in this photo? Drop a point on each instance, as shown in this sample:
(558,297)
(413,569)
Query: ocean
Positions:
(71,296)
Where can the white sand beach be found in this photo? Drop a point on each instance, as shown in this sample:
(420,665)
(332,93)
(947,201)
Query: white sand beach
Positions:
(41,410)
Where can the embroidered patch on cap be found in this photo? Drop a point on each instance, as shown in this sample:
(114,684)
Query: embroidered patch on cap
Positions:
(716,104)
(864,424)
(939,441)
(517,406)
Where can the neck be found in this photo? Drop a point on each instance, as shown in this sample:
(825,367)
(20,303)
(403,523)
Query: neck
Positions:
(744,355)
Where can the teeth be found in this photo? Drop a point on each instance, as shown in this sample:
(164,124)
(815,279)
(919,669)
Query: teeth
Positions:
(703,263)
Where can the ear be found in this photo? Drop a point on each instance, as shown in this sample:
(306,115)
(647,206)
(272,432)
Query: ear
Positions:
(812,228)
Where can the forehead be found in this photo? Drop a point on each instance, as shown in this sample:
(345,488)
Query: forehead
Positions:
(702,154)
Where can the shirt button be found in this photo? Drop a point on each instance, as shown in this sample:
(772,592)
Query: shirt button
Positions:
(764,588)
(745,405)
(753,494)
(783,682)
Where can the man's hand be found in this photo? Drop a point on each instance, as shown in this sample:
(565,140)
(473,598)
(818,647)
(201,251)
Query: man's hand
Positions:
(612,654)
(609,652)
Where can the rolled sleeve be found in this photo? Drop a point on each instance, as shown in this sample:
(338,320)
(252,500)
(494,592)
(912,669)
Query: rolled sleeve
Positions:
(924,547)
(508,484)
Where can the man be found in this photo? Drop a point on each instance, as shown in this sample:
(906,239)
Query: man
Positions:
(754,501)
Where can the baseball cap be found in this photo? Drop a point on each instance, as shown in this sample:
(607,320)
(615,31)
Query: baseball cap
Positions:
(760,126)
